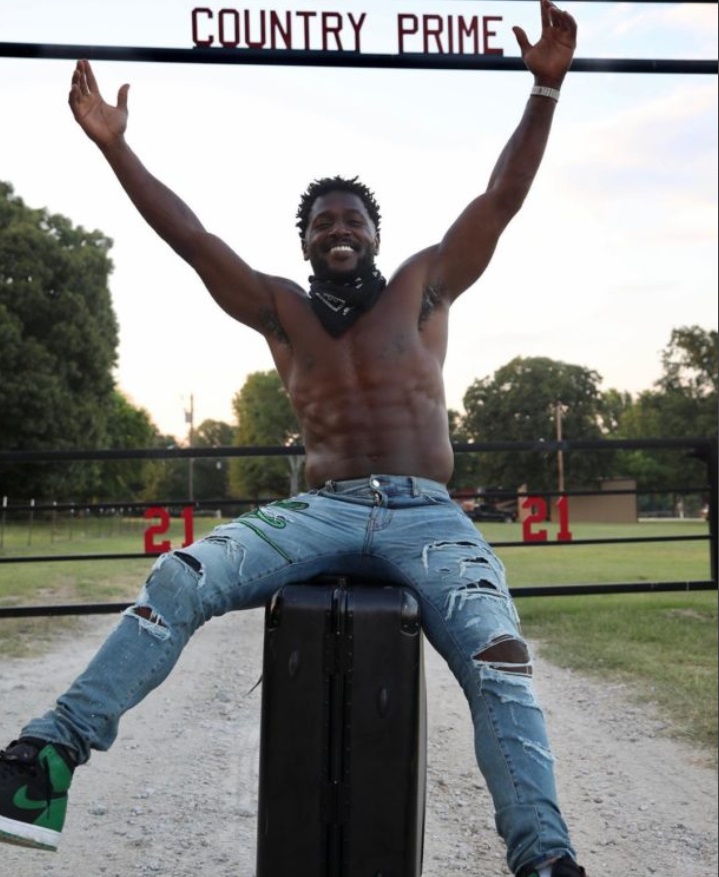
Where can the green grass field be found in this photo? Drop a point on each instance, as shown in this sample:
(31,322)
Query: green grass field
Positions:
(664,645)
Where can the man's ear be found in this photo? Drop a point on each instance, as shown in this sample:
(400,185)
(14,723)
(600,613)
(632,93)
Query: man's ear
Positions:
(305,253)
(376,244)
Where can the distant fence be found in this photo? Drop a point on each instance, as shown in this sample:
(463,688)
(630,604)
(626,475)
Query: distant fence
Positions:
(156,514)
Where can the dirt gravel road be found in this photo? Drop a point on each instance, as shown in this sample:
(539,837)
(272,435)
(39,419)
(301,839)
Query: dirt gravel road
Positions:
(177,794)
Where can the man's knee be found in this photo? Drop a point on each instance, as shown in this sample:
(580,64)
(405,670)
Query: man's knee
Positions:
(507,653)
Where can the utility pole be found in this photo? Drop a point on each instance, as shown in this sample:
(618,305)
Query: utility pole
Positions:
(190,419)
(558,412)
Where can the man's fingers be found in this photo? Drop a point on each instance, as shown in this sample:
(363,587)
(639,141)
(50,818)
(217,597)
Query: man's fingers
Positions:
(569,24)
(79,80)
(547,8)
(90,77)
(557,18)
(76,88)
(122,97)
(522,39)
(562,19)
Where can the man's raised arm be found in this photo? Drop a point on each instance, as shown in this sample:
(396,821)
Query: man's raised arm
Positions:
(469,244)
(244,293)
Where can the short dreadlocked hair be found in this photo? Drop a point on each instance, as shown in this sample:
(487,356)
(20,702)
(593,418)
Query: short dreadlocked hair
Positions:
(334,184)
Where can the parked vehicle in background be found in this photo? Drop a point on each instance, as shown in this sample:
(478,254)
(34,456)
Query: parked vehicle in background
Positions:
(483,511)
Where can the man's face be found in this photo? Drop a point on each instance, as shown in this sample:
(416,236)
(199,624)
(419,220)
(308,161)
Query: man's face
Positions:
(341,240)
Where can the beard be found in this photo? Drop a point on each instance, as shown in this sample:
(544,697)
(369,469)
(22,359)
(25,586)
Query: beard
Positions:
(364,269)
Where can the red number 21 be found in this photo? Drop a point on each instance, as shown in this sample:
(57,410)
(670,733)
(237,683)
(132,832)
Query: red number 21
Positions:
(152,547)
(538,513)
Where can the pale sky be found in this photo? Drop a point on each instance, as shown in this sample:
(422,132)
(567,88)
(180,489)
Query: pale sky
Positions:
(615,246)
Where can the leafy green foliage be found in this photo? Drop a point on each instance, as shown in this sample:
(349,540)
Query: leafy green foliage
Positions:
(691,363)
(265,418)
(127,427)
(58,346)
(522,401)
(201,478)
(467,467)
(211,474)
(683,405)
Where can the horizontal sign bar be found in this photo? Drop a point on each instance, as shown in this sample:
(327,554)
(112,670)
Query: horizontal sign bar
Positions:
(311,58)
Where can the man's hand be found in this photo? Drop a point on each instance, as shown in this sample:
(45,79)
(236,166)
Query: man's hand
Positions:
(102,122)
(549,59)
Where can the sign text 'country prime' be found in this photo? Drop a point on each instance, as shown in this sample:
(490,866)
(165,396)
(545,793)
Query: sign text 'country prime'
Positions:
(341,31)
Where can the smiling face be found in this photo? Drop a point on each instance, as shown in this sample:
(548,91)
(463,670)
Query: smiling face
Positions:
(341,240)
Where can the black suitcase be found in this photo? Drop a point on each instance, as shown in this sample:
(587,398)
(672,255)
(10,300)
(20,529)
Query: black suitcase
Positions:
(342,774)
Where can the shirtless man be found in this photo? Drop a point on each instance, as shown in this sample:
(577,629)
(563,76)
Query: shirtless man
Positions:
(362,360)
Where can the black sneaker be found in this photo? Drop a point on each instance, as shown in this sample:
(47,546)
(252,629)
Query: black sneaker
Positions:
(564,867)
(34,779)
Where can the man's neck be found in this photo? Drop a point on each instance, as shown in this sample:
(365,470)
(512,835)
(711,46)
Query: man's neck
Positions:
(339,304)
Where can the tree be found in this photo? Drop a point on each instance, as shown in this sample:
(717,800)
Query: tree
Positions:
(170,480)
(265,418)
(691,363)
(466,464)
(128,427)
(613,406)
(58,346)
(531,399)
(211,474)
(165,479)
(683,405)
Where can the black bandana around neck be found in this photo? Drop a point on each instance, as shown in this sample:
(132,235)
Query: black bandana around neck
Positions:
(338,305)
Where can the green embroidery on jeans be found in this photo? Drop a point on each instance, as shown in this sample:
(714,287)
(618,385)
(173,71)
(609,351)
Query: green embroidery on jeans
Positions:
(265,538)
(279,523)
(291,504)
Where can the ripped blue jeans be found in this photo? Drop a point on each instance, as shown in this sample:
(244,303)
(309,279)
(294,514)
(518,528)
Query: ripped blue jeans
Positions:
(393,528)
